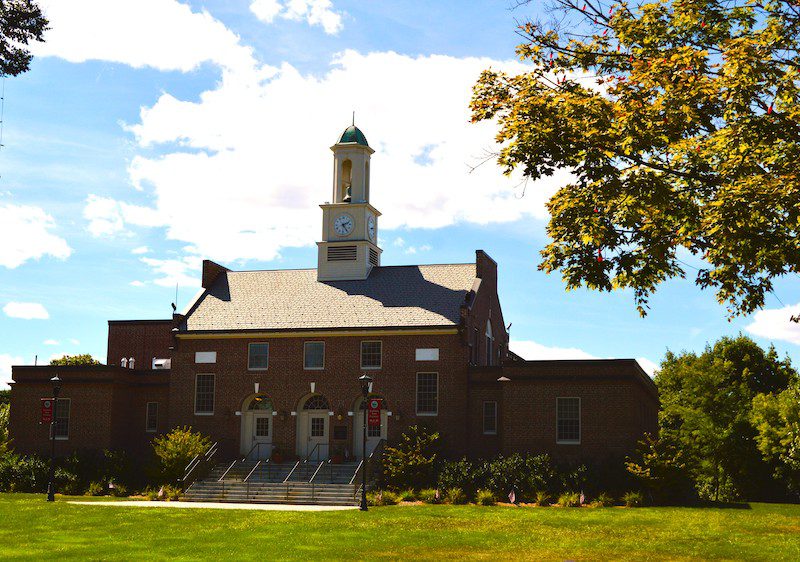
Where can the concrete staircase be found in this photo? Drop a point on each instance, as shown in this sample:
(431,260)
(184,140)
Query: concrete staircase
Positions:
(321,483)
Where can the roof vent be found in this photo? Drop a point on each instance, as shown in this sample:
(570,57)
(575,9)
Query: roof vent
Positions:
(373,257)
(161,363)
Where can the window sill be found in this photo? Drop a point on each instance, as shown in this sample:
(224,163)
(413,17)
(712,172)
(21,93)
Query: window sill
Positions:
(428,414)
(491,433)
(204,413)
(371,368)
(313,368)
(62,438)
(567,442)
(151,431)
(259,370)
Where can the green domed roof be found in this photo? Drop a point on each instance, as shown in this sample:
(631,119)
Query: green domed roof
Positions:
(354,135)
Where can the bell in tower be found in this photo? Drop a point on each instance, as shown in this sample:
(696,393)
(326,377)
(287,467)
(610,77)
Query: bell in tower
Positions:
(351,156)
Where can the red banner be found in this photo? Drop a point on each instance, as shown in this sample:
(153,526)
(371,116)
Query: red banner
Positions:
(47,410)
(374,412)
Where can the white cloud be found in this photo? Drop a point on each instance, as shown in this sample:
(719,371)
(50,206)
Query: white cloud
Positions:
(73,341)
(108,217)
(51,342)
(314,12)
(183,272)
(399,242)
(649,367)
(140,250)
(137,283)
(26,311)
(163,34)
(531,350)
(24,231)
(253,180)
(775,324)
(6,361)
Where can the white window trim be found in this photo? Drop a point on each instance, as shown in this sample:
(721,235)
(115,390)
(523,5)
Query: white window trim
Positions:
(211,413)
(258,369)
(580,425)
(361,355)
(147,412)
(323,356)
(55,419)
(483,417)
(416,394)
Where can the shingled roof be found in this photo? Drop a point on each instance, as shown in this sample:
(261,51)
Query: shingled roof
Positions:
(395,296)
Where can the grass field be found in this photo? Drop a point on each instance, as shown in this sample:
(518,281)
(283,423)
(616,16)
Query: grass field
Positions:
(30,528)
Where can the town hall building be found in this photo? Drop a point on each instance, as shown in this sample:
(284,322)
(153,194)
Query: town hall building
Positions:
(267,362)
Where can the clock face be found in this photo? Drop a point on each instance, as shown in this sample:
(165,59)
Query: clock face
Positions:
(343,225)
(371,227)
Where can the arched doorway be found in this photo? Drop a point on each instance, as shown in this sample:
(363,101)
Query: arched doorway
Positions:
(374,434)
(256,439)
(313,424)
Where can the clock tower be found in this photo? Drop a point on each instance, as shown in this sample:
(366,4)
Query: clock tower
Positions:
(349,248)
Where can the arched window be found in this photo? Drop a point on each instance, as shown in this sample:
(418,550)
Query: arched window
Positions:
(316,402)
(260,402)
(347,178)
(489,339)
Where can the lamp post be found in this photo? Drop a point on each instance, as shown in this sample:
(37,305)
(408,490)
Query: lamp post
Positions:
(51,488)
(365,381)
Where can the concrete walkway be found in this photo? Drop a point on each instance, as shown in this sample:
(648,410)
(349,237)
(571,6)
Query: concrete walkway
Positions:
(215,505)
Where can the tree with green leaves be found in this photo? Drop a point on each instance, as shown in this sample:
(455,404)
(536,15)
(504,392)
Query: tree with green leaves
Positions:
(411,462)
(176,449)
(776,417)
(680,123)
(21,21)
(73,360)
(706,407)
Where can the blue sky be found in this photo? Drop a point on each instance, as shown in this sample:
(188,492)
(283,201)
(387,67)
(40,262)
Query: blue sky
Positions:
(150,134)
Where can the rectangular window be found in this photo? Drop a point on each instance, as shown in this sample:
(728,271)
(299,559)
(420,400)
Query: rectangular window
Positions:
(490,418)
(371,354)
(151,425)
(314,355)
(61,418)
(317,427)
(568,415)
(262,427)
(204,395)
(257,356)
(427,394)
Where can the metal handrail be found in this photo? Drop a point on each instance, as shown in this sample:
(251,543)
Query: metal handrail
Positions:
(246,478)
(315,473)
(285,480)
(316,446)
(357,472)
(199,460)
(224,474)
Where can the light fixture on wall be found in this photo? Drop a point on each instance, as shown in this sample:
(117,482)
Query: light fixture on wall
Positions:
(313,387)
(255,387)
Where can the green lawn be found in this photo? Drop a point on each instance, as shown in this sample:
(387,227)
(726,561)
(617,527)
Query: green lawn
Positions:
(30,528)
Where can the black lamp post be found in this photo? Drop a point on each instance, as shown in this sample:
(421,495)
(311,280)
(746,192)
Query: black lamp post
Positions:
(51,488)
(365,381)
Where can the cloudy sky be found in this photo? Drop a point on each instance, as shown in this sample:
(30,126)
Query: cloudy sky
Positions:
(150,134)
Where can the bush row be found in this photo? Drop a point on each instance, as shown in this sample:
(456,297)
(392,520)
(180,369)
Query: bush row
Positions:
(457,496)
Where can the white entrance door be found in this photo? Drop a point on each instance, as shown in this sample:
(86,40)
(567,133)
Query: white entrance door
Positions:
(257,435)
(317,431)
(374,434)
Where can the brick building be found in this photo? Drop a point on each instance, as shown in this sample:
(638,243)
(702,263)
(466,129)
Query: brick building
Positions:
(269,360)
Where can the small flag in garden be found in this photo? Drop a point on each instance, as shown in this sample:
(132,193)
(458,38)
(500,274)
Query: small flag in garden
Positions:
(437,494)
(380,496)
(111,485)
(583,498)
(512,497)
(161,492)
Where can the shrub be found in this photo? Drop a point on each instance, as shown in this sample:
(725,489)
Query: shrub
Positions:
(172,493)
(569,499)
(485,497)
(633,499)
(67,482)
(462,474)
(5,411)
(96,489)
(19,473)
(411,463)
(382,497)
(455,496)
(176,449)
(118,490)
(407,495)
(542,498)
(603,500)
(429,495)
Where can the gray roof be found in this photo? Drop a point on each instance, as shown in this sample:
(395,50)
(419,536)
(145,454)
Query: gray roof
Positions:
(395,296)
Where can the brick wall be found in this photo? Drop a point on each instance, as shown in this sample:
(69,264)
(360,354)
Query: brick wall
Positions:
(141,339)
